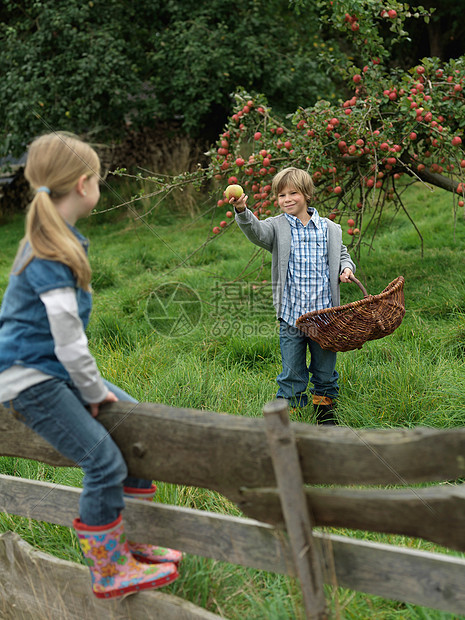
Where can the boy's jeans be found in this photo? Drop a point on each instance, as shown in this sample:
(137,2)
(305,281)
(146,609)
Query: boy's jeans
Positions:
(293,380)
(54,410)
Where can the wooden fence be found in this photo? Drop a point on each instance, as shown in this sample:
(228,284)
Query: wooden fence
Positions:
(272,470)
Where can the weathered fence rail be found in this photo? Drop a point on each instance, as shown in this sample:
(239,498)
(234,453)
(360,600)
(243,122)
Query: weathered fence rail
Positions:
(267,466)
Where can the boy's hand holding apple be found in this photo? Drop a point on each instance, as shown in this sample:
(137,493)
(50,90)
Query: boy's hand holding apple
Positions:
(235,196)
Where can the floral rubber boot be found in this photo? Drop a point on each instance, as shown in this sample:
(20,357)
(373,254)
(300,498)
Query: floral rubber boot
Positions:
(143,552)
(113,568)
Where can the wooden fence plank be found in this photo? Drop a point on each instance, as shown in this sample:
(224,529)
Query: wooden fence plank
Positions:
(418,577)
(37,586)
(297,514)
(344,455)
(16,439)
(168,441)
(225,538)
(434,513)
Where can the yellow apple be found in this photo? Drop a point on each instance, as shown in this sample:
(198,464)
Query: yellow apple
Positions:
(233,191)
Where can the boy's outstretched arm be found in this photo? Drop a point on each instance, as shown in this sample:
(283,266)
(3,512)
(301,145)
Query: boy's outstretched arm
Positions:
(259,232)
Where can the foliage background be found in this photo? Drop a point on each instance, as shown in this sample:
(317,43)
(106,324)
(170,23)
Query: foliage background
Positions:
(98,67)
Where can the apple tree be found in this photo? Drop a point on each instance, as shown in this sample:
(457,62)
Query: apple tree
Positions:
(390,126)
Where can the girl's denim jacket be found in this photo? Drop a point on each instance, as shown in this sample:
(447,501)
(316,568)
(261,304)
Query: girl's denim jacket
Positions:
(25,337)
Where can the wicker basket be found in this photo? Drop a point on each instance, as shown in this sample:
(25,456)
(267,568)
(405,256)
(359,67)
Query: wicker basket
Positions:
(348,327)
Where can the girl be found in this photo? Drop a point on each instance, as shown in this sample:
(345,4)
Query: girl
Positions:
(49,379)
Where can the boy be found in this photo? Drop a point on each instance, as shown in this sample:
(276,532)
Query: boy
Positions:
(308,261)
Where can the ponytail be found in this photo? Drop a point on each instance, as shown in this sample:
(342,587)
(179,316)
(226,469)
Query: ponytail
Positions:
(51,239)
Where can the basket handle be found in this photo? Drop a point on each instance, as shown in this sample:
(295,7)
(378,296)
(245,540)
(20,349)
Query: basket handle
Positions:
(359,284)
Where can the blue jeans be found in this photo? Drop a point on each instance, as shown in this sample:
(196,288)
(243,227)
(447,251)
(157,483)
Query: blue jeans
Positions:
(55,411)
(294,378)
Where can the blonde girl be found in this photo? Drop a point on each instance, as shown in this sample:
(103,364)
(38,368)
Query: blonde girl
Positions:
(48,378)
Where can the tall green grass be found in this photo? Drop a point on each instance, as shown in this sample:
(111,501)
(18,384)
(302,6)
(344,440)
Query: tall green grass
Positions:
(228,358)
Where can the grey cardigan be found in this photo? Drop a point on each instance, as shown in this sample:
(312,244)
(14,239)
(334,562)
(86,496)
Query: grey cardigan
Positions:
(274,234)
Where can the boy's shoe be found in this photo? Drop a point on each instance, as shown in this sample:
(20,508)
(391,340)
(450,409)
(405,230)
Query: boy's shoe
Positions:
(324,407)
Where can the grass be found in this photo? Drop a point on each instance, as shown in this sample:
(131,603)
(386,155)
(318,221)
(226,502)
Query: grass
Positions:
(223,355)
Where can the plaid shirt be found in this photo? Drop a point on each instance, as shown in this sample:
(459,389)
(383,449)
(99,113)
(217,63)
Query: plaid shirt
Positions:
(307,281)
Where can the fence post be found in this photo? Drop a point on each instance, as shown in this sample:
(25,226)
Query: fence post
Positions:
(296,515)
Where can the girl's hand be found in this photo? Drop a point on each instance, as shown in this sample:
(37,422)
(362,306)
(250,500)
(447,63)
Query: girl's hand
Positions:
(239,204)
(94,407)
(345,275)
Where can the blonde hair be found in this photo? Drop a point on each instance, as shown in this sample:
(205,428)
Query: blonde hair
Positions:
(295,178)
(57,161)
